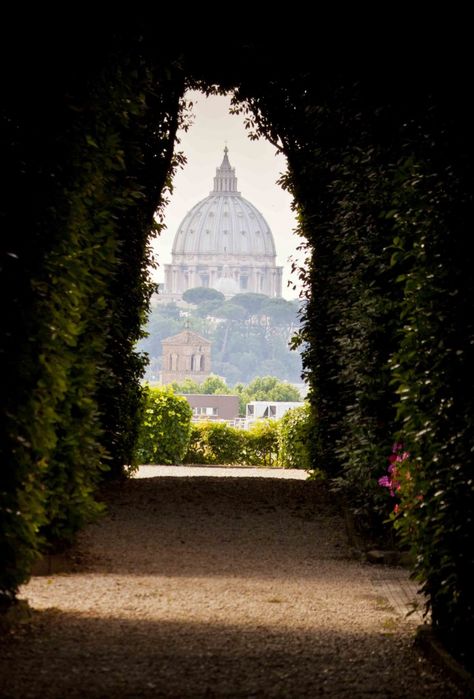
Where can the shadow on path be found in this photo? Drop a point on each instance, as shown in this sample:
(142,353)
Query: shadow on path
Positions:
(214,587)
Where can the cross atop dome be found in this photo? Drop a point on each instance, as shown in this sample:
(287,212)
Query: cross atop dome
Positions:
(225,181)
(225,161)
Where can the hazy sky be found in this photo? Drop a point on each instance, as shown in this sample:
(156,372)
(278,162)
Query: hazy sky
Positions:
(257,167)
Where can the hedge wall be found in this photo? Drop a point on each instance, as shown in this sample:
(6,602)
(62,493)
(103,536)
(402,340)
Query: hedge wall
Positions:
(219,443)
(382,177)
(296,434)
(165,428)
(92,158)
(433,370)
(380,166)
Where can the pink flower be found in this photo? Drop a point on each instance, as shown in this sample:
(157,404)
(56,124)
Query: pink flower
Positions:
(385,482)
(396,509)
(398,446)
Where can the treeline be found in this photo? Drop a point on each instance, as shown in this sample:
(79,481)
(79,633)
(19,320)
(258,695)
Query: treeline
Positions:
(261,388)
(250,333)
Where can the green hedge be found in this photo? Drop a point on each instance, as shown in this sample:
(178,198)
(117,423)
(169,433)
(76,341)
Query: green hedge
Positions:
(296,435)
(261,443)
(165,428)
(215,443)
(382,176)
(218,443)
(95,159)
(433,375)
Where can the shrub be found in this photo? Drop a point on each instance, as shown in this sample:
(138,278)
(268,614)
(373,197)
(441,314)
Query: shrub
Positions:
(197,452)
(215,443)
(166,428)
(218,443)
(295,434)
(261,443)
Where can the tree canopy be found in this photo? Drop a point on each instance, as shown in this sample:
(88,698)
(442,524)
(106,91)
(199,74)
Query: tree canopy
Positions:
(201,294)
(250,335)
(261,388)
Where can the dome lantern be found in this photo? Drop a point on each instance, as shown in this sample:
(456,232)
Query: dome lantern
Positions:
(225,179)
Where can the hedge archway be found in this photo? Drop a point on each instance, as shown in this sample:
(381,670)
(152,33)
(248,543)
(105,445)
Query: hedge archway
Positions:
(381,174)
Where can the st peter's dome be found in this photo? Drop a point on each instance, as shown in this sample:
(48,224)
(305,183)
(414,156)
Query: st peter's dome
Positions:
(224,230)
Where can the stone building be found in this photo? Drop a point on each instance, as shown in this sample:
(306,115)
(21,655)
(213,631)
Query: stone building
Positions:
(225,243)
(186,355)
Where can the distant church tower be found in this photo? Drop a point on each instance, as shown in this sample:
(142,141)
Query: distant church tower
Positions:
(186,355)
(225,243)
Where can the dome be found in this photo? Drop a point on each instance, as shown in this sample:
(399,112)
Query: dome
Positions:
(224,223)
(224,242)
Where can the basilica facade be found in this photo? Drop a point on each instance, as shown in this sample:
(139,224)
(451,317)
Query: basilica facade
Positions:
(224,243)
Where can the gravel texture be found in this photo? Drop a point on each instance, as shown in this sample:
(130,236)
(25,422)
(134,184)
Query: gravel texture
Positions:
(214,587)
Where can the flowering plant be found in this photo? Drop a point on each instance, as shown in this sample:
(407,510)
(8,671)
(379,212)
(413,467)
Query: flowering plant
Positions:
(392,481)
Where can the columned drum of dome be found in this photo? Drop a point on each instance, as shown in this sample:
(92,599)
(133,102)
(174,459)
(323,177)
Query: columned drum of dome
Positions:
(225,243)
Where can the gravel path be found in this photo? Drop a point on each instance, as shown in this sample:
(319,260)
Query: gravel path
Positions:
(214,587)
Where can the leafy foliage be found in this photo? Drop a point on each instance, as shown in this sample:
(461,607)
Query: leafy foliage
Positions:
(384,190)
(296,433)
(250,335)
(77,275)
(215,443)
(261,443)
(165,428)
(251,301)
(432,366)
(261,388)
(212,385)
(202,294)
(219,443)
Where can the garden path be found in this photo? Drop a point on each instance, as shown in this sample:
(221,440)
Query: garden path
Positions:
(215,587)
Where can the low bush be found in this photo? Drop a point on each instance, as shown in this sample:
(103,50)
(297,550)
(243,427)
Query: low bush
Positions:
(218,443)
(295,434)
(261,443)
(166,428)
(215,443)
